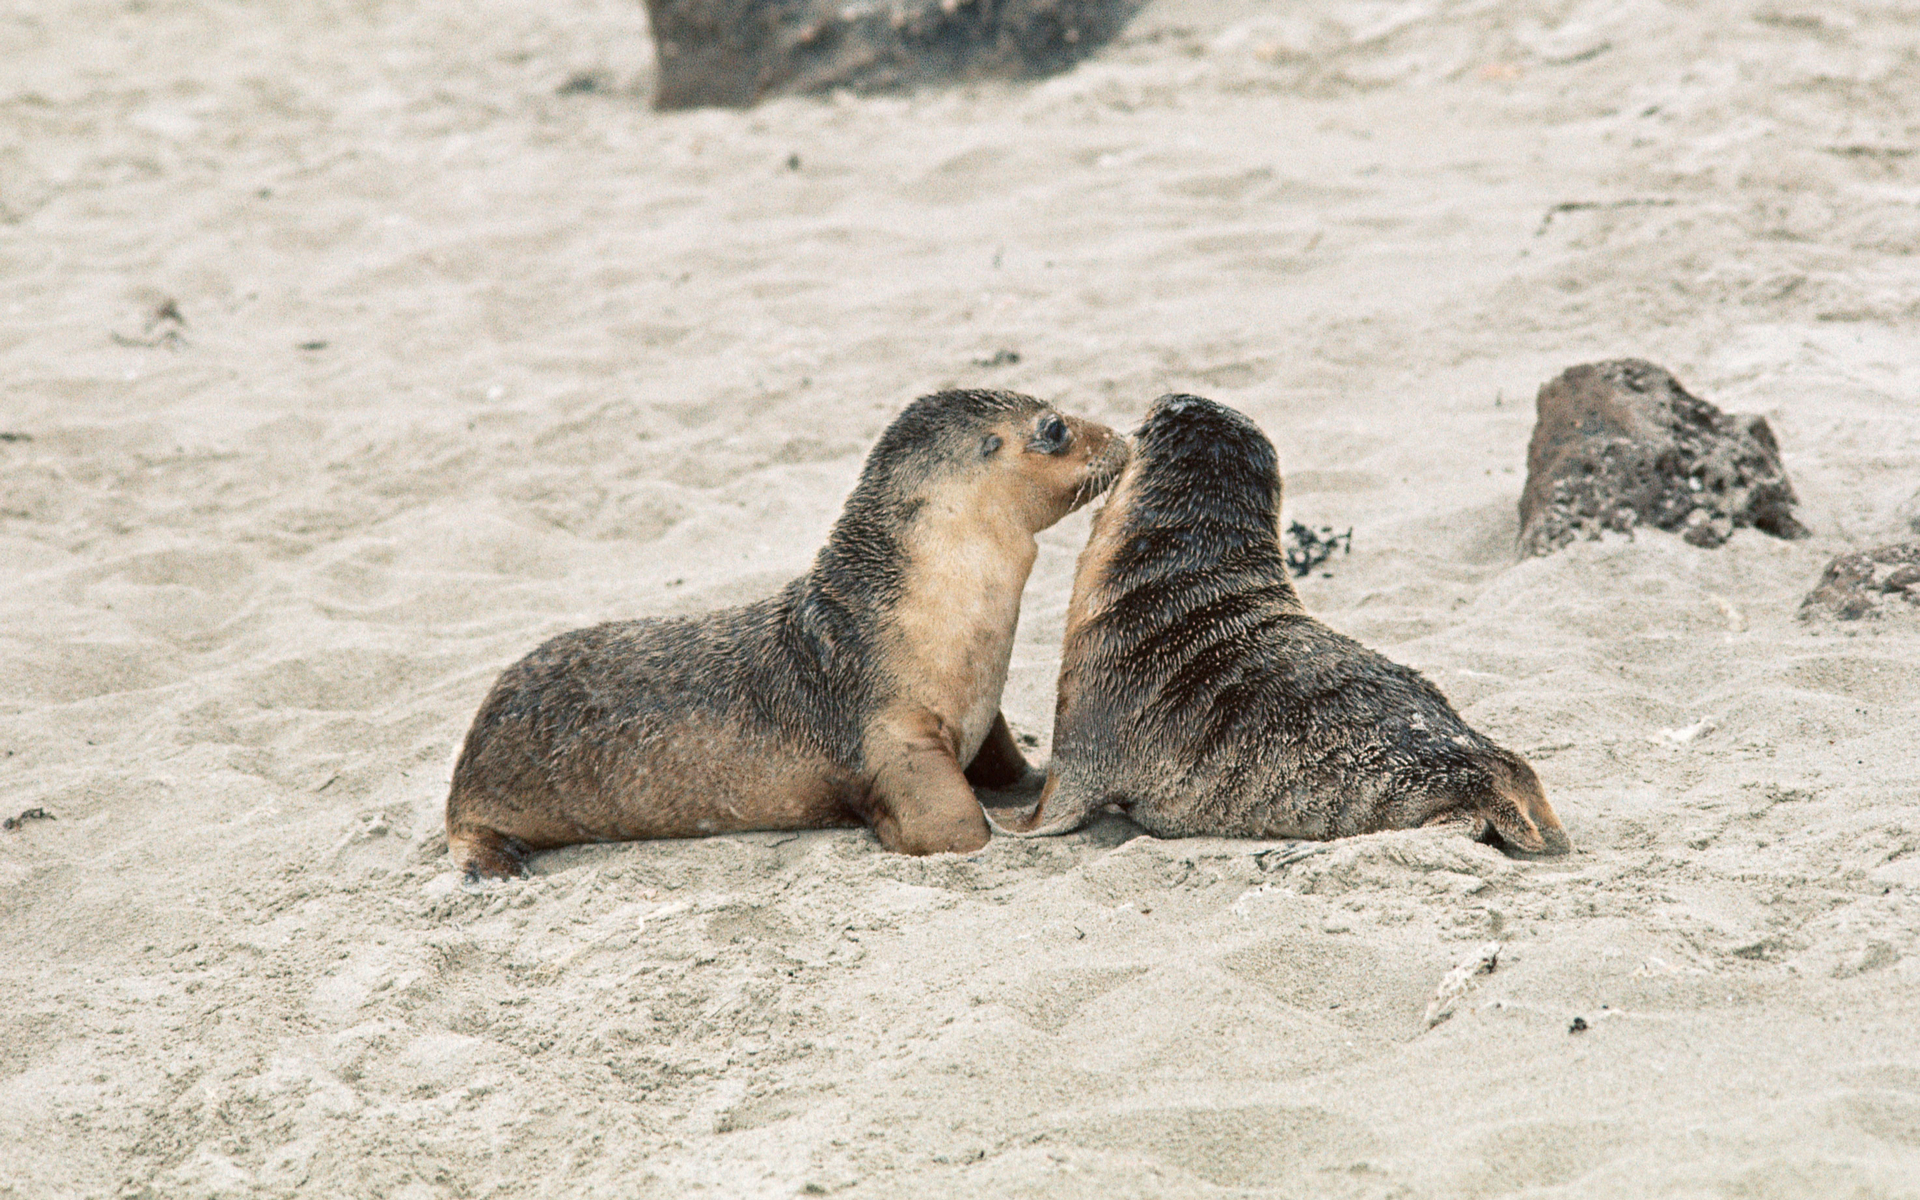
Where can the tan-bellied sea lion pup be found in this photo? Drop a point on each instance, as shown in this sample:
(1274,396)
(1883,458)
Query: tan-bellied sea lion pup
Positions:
(856,695)
(1198,696)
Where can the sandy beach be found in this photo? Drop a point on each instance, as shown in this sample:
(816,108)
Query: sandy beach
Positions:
(349,350)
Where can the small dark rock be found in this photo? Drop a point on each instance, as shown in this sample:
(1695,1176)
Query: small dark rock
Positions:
(585,83)
(162,328)
(1579,1025)
(1620,444)
(1867,583)
(735,53)
(32,814)
(1308,548)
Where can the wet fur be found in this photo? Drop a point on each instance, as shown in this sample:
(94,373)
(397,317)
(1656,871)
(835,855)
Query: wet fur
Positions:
(854,696)
(1198,696)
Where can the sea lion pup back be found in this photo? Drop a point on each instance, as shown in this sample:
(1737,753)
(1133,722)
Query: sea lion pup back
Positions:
(855,695)
(1198,696)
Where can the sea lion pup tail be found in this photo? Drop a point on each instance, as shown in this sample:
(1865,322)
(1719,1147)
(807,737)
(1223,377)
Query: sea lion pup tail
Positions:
(1513,812)
(1198,696)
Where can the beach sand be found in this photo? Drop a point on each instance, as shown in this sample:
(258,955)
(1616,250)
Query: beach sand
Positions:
(352,352)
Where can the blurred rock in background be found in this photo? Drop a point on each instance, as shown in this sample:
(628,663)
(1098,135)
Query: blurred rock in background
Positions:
(735,53)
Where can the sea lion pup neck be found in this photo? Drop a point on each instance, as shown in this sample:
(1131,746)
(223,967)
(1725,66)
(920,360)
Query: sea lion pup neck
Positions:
(856,695)
(1198,696)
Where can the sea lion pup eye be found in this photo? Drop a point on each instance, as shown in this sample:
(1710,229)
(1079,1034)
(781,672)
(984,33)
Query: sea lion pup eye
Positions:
(1051,435)
(866,692)
(1198,696)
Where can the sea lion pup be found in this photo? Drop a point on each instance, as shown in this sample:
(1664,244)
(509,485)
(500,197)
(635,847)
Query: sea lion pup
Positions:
(854,696)
(1198,696)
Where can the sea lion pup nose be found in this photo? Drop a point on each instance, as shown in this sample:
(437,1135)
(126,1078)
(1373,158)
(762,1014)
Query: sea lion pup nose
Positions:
(1198,696)
(855,695)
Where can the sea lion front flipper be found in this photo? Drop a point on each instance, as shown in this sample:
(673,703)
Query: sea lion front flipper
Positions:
(482,853)
(922,802)
(1061,810)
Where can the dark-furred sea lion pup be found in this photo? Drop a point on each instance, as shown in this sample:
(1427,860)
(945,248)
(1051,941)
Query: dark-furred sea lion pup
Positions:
(856,695)
(1198,696)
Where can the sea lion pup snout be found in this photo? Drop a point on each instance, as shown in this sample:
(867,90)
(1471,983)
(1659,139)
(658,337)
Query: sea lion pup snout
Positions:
(865,692)
(1198,696)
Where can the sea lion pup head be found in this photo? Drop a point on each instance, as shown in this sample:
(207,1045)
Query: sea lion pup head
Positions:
(1196,691)
(1202,489)
(988,449)
(957,486)
(1196,511)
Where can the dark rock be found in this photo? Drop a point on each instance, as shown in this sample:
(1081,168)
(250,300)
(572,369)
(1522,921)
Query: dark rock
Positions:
(1620,444)
(585,83)
(735,53)
(1868,583)
(1307,548)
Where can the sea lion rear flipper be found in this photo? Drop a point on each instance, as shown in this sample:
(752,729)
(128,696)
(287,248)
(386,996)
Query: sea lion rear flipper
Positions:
(1061,810)
(922,802)
(1522,820)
